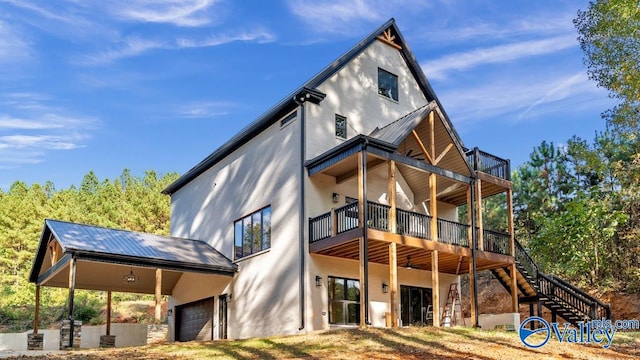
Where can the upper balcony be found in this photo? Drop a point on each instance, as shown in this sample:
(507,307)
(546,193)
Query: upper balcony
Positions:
(336,232)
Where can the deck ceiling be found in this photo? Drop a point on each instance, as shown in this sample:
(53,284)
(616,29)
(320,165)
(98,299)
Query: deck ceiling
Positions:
(420,259)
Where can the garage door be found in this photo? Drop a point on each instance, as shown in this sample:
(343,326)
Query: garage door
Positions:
(194,321)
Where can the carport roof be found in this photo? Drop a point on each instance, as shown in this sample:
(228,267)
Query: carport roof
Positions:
(130,248)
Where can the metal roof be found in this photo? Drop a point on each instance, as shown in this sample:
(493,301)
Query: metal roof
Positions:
(398,130)
(112,245)
(288,103)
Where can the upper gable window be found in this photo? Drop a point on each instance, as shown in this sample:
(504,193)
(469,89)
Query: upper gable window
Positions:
(341,126)
(387,84)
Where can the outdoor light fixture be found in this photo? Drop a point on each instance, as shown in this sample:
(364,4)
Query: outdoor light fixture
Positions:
(130,278)
(169,312)
(385,288)
(336,198)
(318,280)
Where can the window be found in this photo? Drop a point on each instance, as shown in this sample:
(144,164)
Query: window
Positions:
(341,126)
(387,84)
(252,233)
(288,119)
(344,301)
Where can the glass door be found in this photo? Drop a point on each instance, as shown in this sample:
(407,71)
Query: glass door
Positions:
(344,301)
(415,306)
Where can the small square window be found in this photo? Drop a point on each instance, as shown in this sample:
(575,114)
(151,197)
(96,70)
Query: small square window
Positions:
(387,84)
(341,126)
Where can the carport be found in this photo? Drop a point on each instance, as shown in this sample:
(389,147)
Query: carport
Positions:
(78,256)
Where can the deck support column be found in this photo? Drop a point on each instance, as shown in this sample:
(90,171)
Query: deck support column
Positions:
(108,313)
(362,220)
(479,214)
(393,256)
(473,284)
(435,275)
(158,314)
(72,290)
(393,284)
(36,315)
(512,247)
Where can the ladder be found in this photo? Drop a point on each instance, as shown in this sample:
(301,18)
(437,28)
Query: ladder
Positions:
(449,311)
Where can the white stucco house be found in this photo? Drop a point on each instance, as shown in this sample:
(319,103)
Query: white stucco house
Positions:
(337,207)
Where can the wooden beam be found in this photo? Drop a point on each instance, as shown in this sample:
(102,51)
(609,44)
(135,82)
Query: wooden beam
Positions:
(36,315)
(72,290)
(469,218)
(443,154)
(514,289)
(363,323)
(435,288)
(472,291)
(433,206)
(108,312)
(391,191)
(511,229)
(459,265)
(393,284)
(432,129)
(479,214)
(419,243)
(158,314)
(390,43)
(422,147)
(362,197)
(337,240)
(494,180)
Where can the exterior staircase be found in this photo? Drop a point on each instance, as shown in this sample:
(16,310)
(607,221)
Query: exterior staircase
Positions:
(557,295)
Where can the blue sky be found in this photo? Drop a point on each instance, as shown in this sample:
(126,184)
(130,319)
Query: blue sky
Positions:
(160,84)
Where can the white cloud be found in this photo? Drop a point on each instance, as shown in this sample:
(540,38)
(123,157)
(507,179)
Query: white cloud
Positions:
(13,47)
(260,36)
(132,46)
(438,68)
(188,13)
(205,109)
(30,128)
(518,98)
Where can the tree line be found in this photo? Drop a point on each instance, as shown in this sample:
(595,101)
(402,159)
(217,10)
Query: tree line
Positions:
(127,202)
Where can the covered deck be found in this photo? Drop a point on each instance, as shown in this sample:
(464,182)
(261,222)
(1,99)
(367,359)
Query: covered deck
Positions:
(425,152)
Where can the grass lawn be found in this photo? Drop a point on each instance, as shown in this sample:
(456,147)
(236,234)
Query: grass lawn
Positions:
(407,343)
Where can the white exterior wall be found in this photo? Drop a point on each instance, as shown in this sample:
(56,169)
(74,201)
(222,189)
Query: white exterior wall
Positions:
(326,266)
(353,92)
(265,171)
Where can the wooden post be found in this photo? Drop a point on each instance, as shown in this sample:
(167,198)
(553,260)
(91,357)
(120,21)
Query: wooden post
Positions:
(433,207)
(36,315)
(479,214)
(391,191)
(109,312)
(472,293)
(158,296)
(514,289)
(512,235)
(435,290)
(362,219)
(72,290)
(393,284)
(362,197)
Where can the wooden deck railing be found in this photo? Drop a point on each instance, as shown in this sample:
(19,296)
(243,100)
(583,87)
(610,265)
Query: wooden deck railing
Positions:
(489,164)
(408,223)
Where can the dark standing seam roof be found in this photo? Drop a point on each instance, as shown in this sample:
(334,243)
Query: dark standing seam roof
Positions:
(398,130)
(140,247)
(288,104)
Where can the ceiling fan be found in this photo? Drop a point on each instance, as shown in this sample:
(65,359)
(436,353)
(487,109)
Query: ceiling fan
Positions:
(409,265)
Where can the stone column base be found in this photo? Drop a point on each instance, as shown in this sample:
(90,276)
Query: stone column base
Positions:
(35,341)
(107,341)
(65,334)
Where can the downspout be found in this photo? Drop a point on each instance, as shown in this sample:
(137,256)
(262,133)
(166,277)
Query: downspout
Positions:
(301,205)
(474,241)
(365,237)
